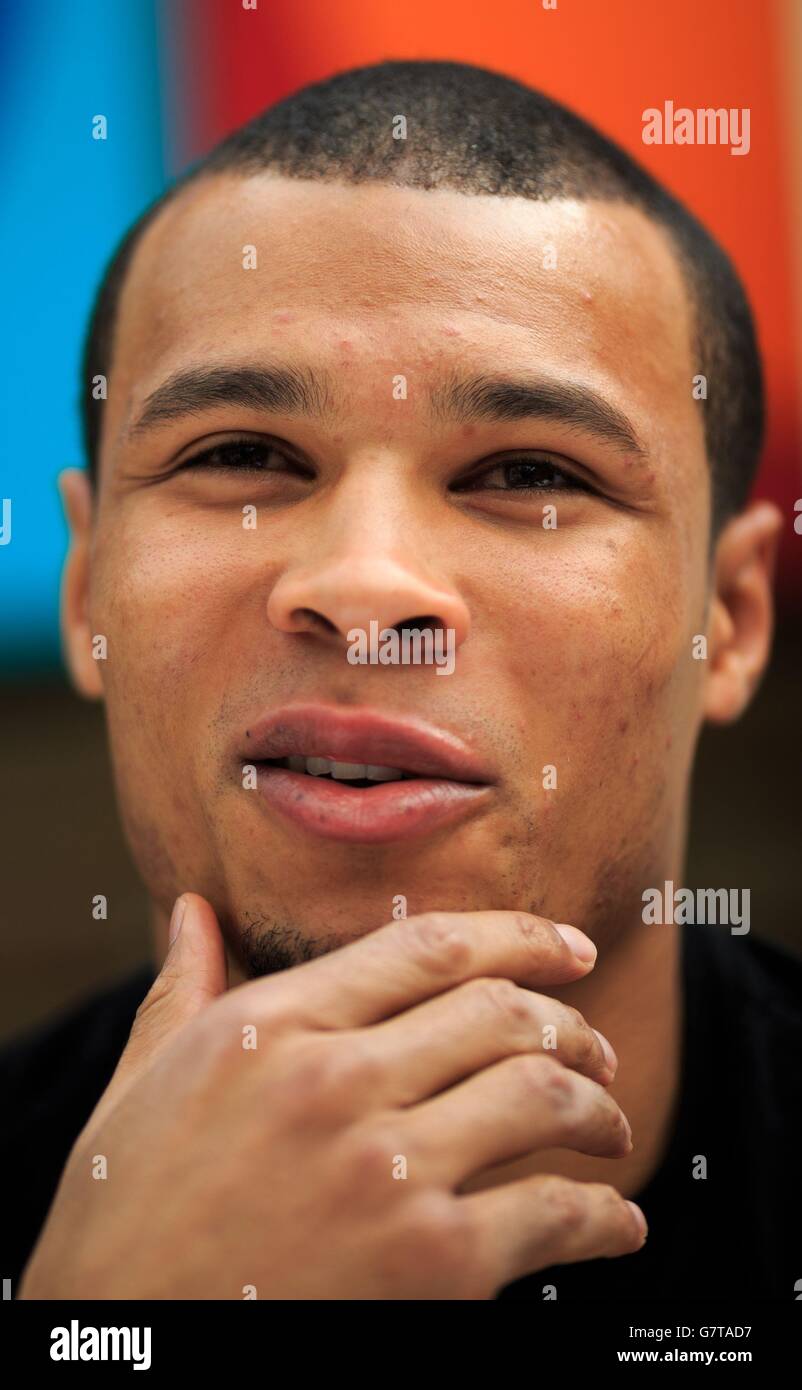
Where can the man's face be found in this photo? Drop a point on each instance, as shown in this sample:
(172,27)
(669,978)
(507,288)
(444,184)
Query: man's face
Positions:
(575,687)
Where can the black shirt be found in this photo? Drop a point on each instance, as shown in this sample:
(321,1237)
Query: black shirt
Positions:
(736,1233)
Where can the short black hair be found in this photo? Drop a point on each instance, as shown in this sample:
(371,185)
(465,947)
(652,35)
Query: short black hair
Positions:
(480,132)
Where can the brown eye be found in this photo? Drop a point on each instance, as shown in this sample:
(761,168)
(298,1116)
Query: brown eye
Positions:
(241,455)
(524,475)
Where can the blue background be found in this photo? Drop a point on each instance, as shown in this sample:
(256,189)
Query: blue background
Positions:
(67,200)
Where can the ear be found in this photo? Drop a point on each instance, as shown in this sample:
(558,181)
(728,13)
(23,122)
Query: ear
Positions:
(76,633)
(741,619)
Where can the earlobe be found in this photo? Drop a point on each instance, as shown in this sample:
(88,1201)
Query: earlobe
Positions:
(76,634)
(741,620)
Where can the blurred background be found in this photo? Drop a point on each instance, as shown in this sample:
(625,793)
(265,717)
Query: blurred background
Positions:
(172,77)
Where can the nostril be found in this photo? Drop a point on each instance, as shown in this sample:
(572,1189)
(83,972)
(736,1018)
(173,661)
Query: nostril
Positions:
(427,621)
(311,619)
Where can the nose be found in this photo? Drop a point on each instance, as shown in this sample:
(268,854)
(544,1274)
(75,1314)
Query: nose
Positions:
(357,586)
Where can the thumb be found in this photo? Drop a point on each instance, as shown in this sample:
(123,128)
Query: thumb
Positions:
(193,974)
(194,970)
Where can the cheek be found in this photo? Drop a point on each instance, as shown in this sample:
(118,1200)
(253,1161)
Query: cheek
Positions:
(597,640)
(163,595)
(162,598)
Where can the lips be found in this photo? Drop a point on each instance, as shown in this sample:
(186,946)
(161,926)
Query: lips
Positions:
(444,780)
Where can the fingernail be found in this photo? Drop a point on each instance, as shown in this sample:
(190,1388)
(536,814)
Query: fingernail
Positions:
(177,918)
(581,945)
(640,1220)
(609,1055)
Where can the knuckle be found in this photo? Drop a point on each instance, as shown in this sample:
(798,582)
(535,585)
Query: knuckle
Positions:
(372,1154)
(573,1017)
(441,1236)
(355,1068)
(426,1246)
(566,1203)
(618,1121)
(318,1070)
(534,932)
(587,1045)
(441,946)
(546,1079)
(500,996)
(226,1022)
(318,1080)
(541,939)
(266,1005)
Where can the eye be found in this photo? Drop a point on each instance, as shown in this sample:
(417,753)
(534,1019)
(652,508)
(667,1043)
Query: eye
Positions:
(249,455)
(523,475)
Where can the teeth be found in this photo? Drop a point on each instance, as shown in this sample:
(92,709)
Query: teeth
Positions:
(343,772)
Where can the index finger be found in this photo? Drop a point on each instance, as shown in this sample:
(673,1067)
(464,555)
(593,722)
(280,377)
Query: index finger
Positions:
(409,961)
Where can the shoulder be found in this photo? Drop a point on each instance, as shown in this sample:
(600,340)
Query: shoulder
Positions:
(73,1054)
(51,1078)
(744,1001)
(763,976)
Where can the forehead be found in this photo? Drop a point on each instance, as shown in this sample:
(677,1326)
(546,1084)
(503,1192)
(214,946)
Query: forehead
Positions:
(588,289)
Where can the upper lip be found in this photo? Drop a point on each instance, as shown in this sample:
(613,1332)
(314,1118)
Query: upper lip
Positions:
(364,736)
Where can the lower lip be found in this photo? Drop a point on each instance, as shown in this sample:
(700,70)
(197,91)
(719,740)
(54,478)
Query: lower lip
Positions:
(368,815)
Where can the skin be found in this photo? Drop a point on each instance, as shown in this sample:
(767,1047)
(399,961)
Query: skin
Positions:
(574,644)
(405,1047)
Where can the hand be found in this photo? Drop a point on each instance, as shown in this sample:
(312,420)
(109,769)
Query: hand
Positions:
(327,1161)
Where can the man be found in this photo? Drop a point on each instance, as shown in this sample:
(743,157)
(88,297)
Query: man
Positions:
(417,348)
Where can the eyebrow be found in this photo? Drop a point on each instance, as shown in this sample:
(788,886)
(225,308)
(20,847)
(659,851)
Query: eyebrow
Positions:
(514,398)
(299,391)
(289,390)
